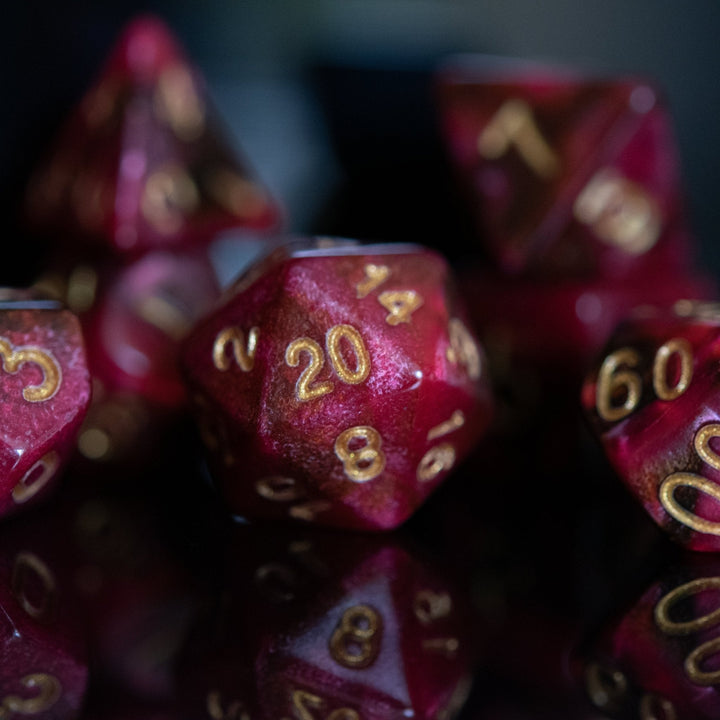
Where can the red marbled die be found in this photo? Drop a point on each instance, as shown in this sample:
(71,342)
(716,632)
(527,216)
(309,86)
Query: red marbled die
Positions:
(338,384)
(143,162)
(44,393)
(567,174)
(654,402)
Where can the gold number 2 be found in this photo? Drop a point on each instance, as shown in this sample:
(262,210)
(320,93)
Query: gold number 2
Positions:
(14,358)
(243,355)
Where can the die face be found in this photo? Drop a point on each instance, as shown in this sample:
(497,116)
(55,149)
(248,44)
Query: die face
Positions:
(659,653)
(365,385)
(545,204)
(652,401)
(142,313)
(360,628)
(43,670)
(45,391)
(143,162)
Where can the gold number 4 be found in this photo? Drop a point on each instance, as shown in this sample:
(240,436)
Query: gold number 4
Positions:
(400,304)
(304,389)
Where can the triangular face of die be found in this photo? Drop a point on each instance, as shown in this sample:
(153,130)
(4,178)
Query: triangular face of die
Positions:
(143,162)
(527,148)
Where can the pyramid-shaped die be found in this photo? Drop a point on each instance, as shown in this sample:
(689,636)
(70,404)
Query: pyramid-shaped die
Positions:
(338,384)
(143,162)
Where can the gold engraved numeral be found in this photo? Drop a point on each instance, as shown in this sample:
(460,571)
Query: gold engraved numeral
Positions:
(279,488)
(613,381)
(514,125)
(618,378)
(462,349)
(619,212)
(36,478)
(655,707)
(303,391)
(303,702)
(244,355)
(436,460)
(49,692)
(606,687)
(333,339)
(361,463)
(456,421)
(430,606)
(444,646)
(30,570)
(683,349)
(401,304)
(333,345)
(234,710)
(375,275)
(14,358)
(683,479)
(355,642)
(670,627)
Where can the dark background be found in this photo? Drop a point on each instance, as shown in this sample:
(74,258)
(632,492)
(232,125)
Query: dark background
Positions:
(285,73)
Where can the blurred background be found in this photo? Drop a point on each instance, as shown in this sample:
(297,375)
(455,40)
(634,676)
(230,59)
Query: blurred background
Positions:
(332,100)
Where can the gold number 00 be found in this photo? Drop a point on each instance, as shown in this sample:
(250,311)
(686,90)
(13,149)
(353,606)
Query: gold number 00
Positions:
(617,375)
(671,627)
(683,479)
(304,391)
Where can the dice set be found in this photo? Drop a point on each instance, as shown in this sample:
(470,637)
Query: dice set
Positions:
(341,384)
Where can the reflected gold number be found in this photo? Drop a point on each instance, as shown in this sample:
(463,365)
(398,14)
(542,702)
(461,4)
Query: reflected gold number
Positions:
(618,376)
(278,488)
(365,462)
(619,212)
(711,619)
(462,349)
(303,702)
(400,304)
(514,125)
(333,339)
(684,479)
(49,692)
(355,642)
(26,567)
(654,707)
(36,478)
(375,275)
(606,687)
(233,711)
(429,606)
(14,358)
(446,646)
(244,355)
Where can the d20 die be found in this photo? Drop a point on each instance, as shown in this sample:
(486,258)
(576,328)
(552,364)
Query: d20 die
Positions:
(338,384)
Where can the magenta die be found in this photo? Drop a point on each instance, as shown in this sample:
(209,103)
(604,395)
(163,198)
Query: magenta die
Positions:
(45,392)
(654,403)
(338,383)
(143,162)
(567,174)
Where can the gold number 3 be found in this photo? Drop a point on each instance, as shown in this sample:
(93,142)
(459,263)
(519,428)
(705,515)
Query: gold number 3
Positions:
(14,358)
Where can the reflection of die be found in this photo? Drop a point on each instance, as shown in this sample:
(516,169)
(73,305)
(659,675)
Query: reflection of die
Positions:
(567,174)
(44,392)
(307,626)
(659,658)
(43,663)
(338,383)
(655,404)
